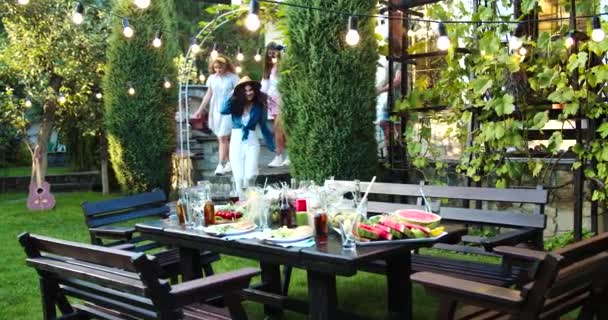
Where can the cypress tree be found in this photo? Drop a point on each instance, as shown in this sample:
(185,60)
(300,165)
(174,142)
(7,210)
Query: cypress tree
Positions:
(140,126)
(328,92)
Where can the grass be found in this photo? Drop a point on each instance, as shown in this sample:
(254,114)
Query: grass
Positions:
(27,171)
(363,293)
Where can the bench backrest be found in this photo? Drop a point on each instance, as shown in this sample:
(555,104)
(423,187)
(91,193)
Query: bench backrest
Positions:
(119,280)
(504,218)
(112,211)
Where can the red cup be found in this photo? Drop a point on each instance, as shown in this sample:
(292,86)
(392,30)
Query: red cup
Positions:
(301,205)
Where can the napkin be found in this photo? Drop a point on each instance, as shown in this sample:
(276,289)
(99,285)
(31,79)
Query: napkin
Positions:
(248,235)
(300,244)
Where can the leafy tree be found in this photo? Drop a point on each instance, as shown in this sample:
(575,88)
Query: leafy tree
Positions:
(328,92)
(140,127)
(46,56)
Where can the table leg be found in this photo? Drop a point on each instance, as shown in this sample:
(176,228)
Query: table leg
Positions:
(190,263)
(271,277)
(322,296)
(399,286)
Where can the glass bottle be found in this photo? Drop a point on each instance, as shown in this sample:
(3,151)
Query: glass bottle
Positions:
(182,207)
(208,210)
(357,196)
(285,210)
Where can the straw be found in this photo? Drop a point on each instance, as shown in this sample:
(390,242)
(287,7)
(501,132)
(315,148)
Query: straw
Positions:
(427,205)
(369,187)
(265,182)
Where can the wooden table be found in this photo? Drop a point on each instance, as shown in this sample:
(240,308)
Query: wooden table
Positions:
(321,262)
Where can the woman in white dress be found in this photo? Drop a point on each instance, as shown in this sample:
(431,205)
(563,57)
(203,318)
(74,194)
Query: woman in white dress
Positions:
(220,85)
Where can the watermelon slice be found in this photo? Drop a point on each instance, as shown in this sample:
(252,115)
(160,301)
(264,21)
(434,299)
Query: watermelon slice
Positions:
(418,217)
(394,233)
(367,231)
(393,224)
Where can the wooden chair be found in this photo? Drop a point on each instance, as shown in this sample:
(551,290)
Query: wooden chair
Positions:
(117,284)
(567,279)
(106,219)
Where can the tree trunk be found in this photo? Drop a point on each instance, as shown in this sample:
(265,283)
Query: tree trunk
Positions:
(44,134)
(105,184)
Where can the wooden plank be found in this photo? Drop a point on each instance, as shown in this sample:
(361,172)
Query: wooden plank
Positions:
(149,198)
(498,218)
(125,216)
(85,252)
(112,304)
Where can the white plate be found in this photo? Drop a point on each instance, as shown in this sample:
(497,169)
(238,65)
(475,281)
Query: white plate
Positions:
(270,238)
(398,241)
(218,230)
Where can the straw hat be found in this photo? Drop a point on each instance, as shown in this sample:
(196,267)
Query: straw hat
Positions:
(247,81)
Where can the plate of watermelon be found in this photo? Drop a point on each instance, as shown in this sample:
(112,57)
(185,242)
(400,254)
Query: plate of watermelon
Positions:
(401,226)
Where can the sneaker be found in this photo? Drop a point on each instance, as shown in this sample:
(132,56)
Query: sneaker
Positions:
(286,163)
(219,170)
(276,162)
(227,167)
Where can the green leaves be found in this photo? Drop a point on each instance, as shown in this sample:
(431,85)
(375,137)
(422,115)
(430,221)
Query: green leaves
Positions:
(502,105)
(528,5)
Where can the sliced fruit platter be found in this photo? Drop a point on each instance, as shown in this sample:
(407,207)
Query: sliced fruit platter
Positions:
(400,226)
(284,234)
(227,214)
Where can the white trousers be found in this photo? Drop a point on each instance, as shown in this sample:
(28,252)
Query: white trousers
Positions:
(244,156)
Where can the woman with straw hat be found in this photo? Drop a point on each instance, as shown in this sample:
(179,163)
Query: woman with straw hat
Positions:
(248,109)
(220,84)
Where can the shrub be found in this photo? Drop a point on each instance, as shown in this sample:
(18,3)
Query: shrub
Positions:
(328,92)
(140,127)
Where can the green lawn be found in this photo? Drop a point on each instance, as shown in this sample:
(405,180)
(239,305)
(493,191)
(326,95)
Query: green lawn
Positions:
(27,171)
(19,295)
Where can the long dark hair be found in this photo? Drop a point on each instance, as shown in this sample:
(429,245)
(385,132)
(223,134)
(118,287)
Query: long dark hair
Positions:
(238,99)
(268,65)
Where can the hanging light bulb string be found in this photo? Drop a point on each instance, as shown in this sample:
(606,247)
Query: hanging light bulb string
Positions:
(345,13)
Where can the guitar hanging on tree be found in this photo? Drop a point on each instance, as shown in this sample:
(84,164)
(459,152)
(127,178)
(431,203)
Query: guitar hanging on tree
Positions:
(40,197)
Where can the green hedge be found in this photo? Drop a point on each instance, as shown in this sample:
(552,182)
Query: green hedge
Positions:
(140,128)
(328,92)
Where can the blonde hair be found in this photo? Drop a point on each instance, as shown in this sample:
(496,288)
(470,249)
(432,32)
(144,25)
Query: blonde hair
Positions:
(223,62)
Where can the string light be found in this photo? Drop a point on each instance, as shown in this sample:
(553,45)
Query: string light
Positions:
(239,55)
(214,54)
(131,90)
(258,55)
(77,15)
(28,102)
(515,42)
(127,30)
(352,36)
(201,77)
(142,4)
(597,35)
(570,39)
(61,99)
(238,69)
(443,41)
(167,83)
(411,30)
(23,2)
(157,42)
(523,51)
(252,22)
(98,95)
(194,47)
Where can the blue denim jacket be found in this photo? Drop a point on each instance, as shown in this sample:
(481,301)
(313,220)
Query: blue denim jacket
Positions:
(257,115)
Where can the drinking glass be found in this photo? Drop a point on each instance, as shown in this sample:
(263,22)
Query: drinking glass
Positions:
(197,203)
(264,214)
(347,227)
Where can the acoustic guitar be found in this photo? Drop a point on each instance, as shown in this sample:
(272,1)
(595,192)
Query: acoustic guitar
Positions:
(39,197)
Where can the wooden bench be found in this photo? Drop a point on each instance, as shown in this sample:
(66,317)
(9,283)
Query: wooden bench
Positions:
(117,284)
(106,219)
(523,228)
(567,279)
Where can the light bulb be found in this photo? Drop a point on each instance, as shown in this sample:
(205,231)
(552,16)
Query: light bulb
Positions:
(28,102)
(23,2)
(61,99)
(214,54)
(240,57)
(352,37)
(597,35)
(195,48)
(142,4)
(127,31)
(515,43)
(252,22)
(98,95)
(569,41)
(167,84)
(238,69)
(443,43)
(131,91)
(258,55)
(77,18)
(157,43)
(523,51)
(201,77)
(411,33)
